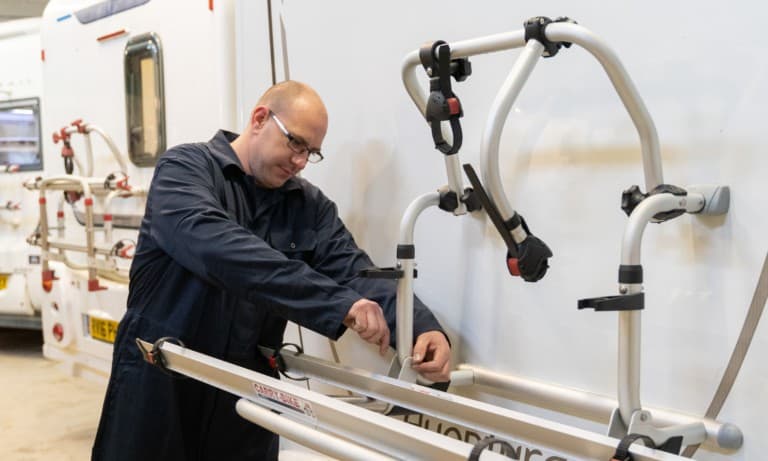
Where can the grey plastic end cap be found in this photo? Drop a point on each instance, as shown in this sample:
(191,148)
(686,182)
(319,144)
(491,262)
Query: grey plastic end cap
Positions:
(730,437)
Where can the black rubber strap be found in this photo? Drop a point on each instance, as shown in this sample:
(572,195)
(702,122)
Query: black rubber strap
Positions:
(490,208)
(155,356)
(277,362)
(622,451)
(486,443)
(436,59)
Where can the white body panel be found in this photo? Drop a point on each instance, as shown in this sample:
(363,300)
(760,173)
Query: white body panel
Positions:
(567,152)
(20,77)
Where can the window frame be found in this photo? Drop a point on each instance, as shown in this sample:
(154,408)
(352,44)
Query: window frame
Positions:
(34,104)
(138,48)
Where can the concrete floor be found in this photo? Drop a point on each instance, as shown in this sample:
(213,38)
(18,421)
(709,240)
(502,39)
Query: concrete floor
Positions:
(44,414)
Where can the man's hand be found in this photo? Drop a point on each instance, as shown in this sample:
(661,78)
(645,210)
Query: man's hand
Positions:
(432,356)
(366,318)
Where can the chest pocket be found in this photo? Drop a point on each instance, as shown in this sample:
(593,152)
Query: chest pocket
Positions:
(301,245)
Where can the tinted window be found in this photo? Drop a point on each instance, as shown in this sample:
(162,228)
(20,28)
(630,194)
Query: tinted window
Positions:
(20,142)
(145,105)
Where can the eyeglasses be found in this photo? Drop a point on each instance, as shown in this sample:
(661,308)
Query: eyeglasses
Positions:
(297,146)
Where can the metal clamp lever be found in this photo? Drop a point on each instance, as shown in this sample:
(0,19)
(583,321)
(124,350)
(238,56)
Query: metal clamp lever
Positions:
(529,258)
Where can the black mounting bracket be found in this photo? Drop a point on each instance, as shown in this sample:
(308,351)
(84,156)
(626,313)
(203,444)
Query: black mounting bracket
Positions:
(535,28)
(631,198)
(632,302)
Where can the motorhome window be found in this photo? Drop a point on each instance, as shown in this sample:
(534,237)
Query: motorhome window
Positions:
(145,106)
(105,9)
(20,142)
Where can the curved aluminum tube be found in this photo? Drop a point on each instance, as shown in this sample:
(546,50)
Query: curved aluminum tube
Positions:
(79,165)
(404,310)
(108,222)
(60,222)
(649,140)
(135,192)
(641,216)
(89,154)
(489,148)
(408,222)
(325,443)
(452,164)
(582,404)
(89,237)
(630,321)
(111,144)
(629,362)
(460,49)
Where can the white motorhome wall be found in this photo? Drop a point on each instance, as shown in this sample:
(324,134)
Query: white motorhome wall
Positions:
(567,152)
(20,77)
(85,78)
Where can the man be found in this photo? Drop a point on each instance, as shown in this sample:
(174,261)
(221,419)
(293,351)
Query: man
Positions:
(231,246)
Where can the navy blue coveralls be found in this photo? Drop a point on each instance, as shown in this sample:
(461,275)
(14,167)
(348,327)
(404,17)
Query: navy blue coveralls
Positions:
(221,264)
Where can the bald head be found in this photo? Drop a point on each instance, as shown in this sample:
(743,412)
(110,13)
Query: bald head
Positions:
(291,96)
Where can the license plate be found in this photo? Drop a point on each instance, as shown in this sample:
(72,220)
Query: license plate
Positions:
(3,281)
(102,329)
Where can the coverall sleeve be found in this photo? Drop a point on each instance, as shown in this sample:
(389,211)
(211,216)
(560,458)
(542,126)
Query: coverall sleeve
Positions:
(339,257)
(190,224)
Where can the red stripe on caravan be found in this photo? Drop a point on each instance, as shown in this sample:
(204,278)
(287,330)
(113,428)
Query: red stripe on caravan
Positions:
(210,5)
(111,35)
(42,55)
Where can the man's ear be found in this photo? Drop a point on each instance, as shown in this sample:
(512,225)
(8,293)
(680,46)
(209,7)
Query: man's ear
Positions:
(259,117)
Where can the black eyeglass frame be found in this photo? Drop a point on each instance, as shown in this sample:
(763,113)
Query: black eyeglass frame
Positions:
(297,146)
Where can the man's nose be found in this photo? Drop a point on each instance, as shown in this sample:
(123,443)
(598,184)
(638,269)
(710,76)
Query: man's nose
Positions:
(300,159)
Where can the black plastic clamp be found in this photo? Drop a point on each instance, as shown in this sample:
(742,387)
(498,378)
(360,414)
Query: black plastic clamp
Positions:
(632,197)
(277,362)
(443,104)
(470,199)
(631,273)
(391,273)
(448,200)
(631,302)
(535,28)
(155,357)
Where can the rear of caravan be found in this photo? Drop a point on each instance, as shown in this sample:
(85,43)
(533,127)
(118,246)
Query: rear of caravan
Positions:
(126,82)
(20,157)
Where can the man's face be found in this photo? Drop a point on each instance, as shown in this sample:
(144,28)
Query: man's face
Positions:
(271,160)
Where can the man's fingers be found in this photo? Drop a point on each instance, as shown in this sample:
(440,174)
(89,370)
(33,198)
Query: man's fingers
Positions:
(384,345)
(420,349)
(366,318)
(440,377)
(432,356)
